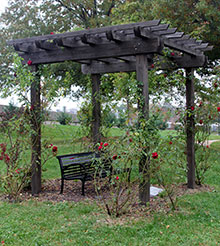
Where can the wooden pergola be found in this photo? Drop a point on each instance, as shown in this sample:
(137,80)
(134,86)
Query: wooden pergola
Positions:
(121,48)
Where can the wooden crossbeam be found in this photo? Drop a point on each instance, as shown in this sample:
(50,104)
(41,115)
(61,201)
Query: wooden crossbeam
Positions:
(117,42)
(87,62)
(186,61)
(127,58)
(183,39)
(102,50)
(23,48)
(160,27)
(166,32)
(200,46)
(88,31)
(173,45)
(100,68)
(175,35)
(209,48)
(46,45)
(91,39)
(117,36)
(143,32)
(196,43)
(68,42)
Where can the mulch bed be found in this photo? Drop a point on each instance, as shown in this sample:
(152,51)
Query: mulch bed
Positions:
(72,192)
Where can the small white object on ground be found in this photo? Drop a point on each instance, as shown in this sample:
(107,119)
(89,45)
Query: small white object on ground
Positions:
(154,191)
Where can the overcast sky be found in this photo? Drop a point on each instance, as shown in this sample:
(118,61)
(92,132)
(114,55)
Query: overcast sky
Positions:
(3,5)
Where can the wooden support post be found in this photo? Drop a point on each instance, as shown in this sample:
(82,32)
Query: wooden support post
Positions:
(142,77)
(190,129)
(96,108)
(36,136)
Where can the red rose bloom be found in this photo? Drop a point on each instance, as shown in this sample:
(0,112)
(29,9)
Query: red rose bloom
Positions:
(200,104)
(215,85)
(54,149)
(218,109)
(101,143)
(105,144)
(52,33)
(172,54)
(32,107)
(154,155)
(192,108)
(114,157)
(130,140)
(152,66)
(170,142)
(207,146)
(200,122)
(1,157)
(29,62)
(7,158)
(17,171)
(165,75)
(100,147)
(117,178)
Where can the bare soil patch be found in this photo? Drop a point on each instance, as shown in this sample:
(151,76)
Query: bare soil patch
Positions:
(72,191)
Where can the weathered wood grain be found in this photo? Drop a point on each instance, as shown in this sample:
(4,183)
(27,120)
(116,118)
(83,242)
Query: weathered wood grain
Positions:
(112,50)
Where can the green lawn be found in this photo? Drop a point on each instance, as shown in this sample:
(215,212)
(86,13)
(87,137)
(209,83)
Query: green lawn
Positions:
(33,223)
(214,137)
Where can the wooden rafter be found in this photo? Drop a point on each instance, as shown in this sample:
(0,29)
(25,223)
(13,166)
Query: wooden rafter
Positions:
(111,46)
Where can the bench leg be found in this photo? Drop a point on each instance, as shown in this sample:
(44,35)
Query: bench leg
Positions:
(83,187)
(62,184)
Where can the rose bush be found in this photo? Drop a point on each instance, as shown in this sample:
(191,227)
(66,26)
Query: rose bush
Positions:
(15,153)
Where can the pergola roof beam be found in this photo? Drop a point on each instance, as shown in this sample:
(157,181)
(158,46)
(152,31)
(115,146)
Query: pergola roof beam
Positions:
(183,39)
(160,27)
(186,41)
(88,31)
(171,44)
(108,44)
(144,33)
(175,35)
(209,48)
(102,50)
(127,58)
(45,45)
(166,32)
(68,42)
(117,36)
(91,39)
(195,44)
(186,61)
(23,48)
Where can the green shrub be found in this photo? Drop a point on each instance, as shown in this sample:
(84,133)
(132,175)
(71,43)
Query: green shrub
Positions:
(64,118)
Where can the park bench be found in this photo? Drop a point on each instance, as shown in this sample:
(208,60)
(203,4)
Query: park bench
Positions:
(82,166)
